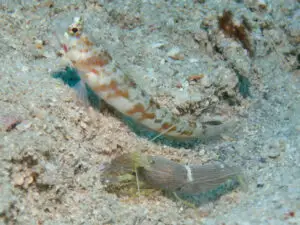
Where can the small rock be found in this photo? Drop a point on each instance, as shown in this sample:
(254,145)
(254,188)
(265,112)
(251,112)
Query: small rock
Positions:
(158,44)
(18,180)
(259,185)
(83,125)
(201,36)
(262,4)
(39,44)
(256,4)
(24,125)
(206,82)
(273,153)
(175,54)
(39,113)
(273,149)
(201,152)
(195,77)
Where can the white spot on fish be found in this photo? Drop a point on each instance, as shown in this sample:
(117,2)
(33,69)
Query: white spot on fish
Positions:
(189,173)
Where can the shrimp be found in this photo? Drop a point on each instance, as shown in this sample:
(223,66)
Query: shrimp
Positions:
(158,172)
(101,74)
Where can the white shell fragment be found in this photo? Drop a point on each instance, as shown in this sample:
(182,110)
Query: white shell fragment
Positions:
(175,53)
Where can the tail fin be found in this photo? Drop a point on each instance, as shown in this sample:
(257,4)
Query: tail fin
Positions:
(204,178)
(166,174)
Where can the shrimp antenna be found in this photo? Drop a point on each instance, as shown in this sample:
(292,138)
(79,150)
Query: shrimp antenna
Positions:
(135,167)
(137,182)
(162,133)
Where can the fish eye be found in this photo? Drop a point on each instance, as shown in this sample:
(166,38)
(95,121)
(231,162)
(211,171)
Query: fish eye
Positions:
(74,30)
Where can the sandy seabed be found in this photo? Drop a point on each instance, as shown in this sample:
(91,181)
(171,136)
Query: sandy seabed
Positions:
(51,145)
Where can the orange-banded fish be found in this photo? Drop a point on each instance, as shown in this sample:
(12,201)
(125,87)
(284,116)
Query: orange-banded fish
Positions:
(101,74)
(161,173)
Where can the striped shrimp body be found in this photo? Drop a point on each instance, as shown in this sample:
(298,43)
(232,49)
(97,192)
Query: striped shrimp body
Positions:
(102,75)
(161,173)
